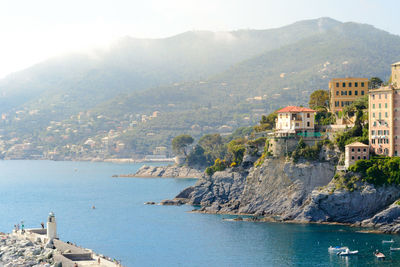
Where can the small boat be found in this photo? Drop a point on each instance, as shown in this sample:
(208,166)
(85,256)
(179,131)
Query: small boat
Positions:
(388,241)
(337,249)
(394,249)
(379,255)
(348,252)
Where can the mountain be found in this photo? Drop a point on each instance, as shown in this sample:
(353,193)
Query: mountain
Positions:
(199,82)
(130,64)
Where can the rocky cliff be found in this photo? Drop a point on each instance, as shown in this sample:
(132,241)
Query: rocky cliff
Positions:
(304,192)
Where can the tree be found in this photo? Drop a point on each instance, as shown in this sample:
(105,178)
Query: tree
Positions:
(266,122)
(374,82)
(180,142)
(319,98)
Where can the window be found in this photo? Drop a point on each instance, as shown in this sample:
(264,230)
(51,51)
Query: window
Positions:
(358,150)
(373,141)
(373,116)
(344,84)
(364,157)
(362,84)
(373,96)
(352,150)
(342,104)
(374,121)
(356,84)
(349,84)
(379,132)
(336,103)
(380,115)
(308,115)
(337,84)
(362,92)
(352,157)
(385,105)
(358,157)
(345,92)
(373,132)
(385,96)
(373,105)
(380,96)
(341,93)
(337,92)
(380,105)
(395,153)
(355,92)
(386,114)
(308,124)
(349,92)
(365,150)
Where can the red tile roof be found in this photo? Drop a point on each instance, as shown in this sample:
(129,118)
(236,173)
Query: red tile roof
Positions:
(295,109)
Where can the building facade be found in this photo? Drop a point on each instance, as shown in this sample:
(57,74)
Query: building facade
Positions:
(396,75)
(343,92)
(355,151)
(384,117)
(292,120)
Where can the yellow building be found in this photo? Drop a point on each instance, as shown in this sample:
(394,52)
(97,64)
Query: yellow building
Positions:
(343,91)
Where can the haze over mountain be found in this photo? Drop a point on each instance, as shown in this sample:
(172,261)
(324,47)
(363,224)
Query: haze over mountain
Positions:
(199,81)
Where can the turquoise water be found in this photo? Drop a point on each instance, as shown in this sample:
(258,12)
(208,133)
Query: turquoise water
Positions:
(123,227)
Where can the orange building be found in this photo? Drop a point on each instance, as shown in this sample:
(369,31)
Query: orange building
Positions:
(343,91)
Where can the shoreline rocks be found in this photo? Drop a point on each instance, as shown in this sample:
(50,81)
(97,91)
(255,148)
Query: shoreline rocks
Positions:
(303,192)
(166,172)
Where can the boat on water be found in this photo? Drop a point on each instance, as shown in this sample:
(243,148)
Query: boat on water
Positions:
(394,249)
(379,255)
(388,241)
(337,249)
(348,252)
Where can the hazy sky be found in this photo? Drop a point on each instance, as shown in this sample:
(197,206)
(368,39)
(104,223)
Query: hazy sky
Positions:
(33,30)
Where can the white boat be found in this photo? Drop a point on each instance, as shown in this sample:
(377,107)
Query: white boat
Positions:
(348,252)
(388,241)
(379,255)
(394,249)
(337,249)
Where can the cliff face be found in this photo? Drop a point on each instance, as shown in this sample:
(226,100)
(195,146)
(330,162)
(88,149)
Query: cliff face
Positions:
(293,191)
(276,187)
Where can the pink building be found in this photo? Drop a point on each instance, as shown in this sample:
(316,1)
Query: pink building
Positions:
(384,118)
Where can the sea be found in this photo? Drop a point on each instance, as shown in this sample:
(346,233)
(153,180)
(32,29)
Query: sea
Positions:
(121,226)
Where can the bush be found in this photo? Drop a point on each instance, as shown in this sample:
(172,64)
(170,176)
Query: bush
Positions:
(379,170)
(306,152)
(219,165)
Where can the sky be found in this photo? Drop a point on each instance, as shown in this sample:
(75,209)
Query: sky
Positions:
(32,31)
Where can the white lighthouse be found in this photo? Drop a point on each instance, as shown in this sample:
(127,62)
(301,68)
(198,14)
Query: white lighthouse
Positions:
(51,226)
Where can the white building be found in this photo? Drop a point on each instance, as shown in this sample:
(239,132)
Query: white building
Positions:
(292,120)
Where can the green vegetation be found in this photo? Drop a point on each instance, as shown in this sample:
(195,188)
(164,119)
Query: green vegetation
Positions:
(219,165)
(318,99)
(266,122)
(346,181)
(236,151)
(379,170)
(180,142)
(360,130)
(324,117)
(306,152)
(374,82)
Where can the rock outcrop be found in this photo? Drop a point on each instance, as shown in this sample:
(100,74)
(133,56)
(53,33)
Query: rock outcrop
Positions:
(166,172)
(15,251)
(304,192)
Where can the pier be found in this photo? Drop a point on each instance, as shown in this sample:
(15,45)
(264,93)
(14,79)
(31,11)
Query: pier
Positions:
(65,254)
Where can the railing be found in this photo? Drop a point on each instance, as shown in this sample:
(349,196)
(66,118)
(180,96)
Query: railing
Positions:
(312,134)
